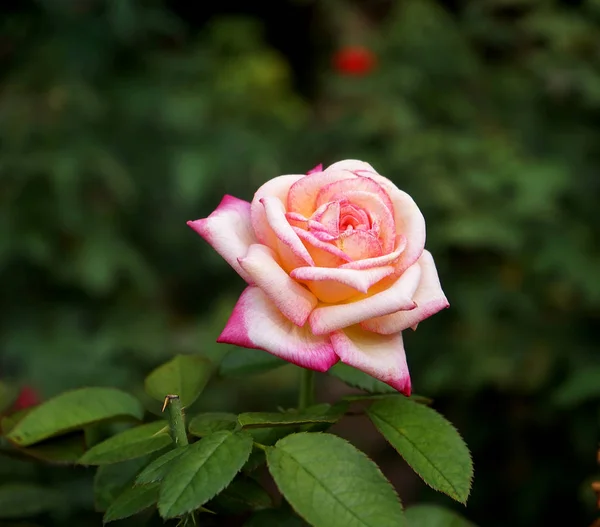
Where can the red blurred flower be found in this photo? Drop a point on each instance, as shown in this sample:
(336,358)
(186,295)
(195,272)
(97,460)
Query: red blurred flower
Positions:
(28,396)
(354,60)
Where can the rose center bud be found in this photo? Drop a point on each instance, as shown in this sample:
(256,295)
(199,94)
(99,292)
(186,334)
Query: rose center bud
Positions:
(352,217)
(347,227)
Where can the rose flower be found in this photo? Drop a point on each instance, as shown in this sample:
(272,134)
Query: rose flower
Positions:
(335,266)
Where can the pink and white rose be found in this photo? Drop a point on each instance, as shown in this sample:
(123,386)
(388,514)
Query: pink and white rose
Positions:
(336,269)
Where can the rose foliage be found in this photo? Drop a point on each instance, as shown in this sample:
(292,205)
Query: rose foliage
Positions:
(336,270)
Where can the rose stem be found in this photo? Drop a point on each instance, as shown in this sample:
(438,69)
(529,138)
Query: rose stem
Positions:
(307,389)
(176,420)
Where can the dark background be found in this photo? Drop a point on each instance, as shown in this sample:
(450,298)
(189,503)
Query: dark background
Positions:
(122,119)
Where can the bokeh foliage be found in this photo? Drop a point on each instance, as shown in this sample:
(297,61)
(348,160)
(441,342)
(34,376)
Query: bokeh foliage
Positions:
(122,119)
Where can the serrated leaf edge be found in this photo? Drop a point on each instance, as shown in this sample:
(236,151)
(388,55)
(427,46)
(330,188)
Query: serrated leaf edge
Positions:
(229,434)
(176,451)
(105,521)
(471,466)
(360,452)
(79,426)
(83,461)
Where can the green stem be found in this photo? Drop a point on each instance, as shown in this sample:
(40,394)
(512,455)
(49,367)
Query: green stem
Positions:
(176,420)
(306,396)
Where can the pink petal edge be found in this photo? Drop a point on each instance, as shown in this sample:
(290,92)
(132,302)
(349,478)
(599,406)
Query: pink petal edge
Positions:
(318,168)
(228,230)
(257,323)
(275,214)
(429,297)
(381,356)
(277,187)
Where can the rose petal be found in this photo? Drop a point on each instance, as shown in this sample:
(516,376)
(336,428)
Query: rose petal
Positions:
(359,245)
(328,215)
(337,285)
(318,168)
(275,214)
(338,190)
(293,300)
(379,212)
(319,234)
(229,231)
(302,195)
(429,298)
(381,356)
(324,254)
(409,222)
(408,217)
(277,187)
(351,165)
(395,298)
(257,323)
(386,259)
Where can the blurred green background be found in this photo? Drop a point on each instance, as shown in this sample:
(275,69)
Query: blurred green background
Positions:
(122,119)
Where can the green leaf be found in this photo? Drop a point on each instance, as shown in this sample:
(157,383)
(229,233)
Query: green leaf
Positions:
(158,469)
(132,443)
(248,361)
(184,375)
(244,494)
(269,427)
(271,419)
(203,471)
(10,421)
(112,480)
(206,424)
(434,516)
(73,410)
(330,483)
(22,500)
(428,442)
(257,457)
(336,412)
(60,450)
(359,379)
(270,436)
(372,397)
(132,501)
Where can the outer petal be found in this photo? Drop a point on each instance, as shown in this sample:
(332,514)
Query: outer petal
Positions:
(397,297)
(336,285)
(381,356)
(275,215)
(229,231)
(277,187)
(293,300)
(429,298)
(257,323)
(352,165)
